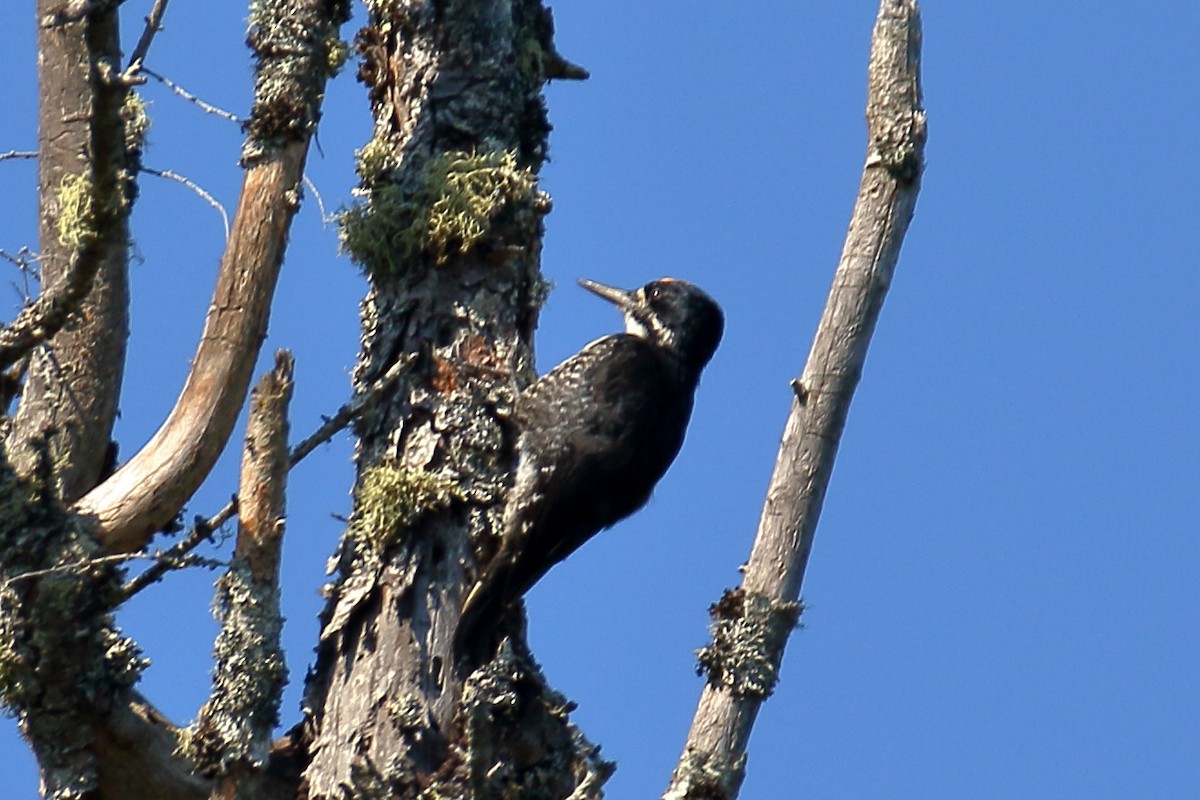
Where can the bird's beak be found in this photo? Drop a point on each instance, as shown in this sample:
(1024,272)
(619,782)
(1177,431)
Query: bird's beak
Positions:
(621,298)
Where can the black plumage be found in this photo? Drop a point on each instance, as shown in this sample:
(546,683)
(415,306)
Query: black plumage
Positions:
(596,434)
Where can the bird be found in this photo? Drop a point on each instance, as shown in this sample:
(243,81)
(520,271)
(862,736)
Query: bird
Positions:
(595,435)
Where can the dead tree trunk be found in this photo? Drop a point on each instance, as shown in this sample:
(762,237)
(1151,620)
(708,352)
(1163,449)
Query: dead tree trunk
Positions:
(450,235)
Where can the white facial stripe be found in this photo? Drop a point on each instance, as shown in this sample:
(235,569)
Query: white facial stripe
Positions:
(662,334)
(634,327)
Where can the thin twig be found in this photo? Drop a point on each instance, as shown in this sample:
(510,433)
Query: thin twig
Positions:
(43,318)
(350,411)
(212,201)
(99,561)
(208,108)
(176,556)
(24,258)
(203,528)
(312,187)
(18,154)
(153,26)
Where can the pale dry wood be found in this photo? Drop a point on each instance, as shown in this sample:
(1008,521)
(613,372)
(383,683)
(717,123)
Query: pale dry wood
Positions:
(713,760)
(203,529)
(265,464)
(147,492)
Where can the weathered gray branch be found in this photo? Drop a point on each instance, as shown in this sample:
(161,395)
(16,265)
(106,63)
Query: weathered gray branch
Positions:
(153,26)
(293,41)
(232,732)
(751,623)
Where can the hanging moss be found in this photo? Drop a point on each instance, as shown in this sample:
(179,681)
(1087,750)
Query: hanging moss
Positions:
(137,122)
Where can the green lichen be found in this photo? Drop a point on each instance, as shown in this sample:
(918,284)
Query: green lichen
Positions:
(77,211)
(749,631)
(531,58)
(337,53)
(137,122)
(391,497)
(471,190)
(296,49)
(374,160)
(507,695)
(234,726)
(710,776)
(460,197)
(62,660)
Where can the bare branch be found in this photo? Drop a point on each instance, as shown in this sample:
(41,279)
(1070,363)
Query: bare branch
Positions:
(136,750)
(208,198)
(751,623)
(312,187)
(145,493)
(85,197)
(82,565)
(292,43)
(232,732)
(202,529)
(11,154)
(43,318)
(351,410)
(23,259)
(178,555)
(153,26)
(208,108)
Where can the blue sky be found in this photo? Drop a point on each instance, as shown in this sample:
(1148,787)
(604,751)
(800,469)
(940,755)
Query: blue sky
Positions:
(1002,598)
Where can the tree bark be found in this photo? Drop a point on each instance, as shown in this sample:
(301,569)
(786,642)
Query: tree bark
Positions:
(450,235)
(295,42)
(74,379)
(751,624)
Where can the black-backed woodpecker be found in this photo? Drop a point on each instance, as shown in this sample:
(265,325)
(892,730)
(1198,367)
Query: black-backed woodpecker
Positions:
(596,434)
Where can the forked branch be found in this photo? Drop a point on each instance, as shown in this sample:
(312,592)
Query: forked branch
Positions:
(293,40)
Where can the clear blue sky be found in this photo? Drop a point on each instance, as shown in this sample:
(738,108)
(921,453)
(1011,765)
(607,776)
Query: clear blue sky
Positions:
(1003,595)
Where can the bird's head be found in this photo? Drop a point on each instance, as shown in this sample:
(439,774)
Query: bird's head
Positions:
(672,314)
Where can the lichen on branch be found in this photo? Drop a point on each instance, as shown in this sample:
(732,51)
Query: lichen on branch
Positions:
(297,48)
(460,197)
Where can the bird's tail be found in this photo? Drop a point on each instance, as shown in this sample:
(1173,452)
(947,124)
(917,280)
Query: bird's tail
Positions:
(479,627)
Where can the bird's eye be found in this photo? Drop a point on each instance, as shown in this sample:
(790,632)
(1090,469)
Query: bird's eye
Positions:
(655,293)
